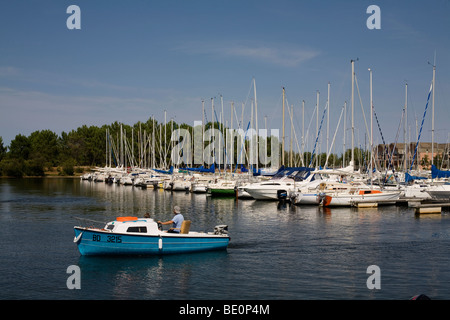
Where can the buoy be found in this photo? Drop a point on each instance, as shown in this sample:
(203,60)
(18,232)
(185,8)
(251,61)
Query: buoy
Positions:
(160,244)
(327,200)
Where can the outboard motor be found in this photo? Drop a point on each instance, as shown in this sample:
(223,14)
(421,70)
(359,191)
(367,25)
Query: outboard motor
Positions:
(282,195)
(292,196)
(320,198)
(221,229)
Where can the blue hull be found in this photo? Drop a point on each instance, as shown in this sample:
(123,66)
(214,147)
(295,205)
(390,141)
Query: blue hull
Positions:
(106,243)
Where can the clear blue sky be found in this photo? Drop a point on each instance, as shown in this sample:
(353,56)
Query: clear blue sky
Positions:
(134,59)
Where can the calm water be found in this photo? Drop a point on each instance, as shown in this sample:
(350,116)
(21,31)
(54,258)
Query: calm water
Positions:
(276,252)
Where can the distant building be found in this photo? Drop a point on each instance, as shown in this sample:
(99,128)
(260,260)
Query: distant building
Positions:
(422,159)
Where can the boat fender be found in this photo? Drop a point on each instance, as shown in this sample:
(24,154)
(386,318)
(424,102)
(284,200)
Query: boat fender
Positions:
(160,244)
(77,239)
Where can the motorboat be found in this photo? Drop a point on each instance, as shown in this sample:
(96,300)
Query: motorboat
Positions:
(199,187)
(242,193)
(281,185)
(357,196)
(144,236)
(270,190)
(199,183)
(314,192)
(222,188)
(177,184)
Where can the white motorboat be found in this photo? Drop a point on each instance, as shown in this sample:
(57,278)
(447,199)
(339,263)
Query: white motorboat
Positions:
(177,184)
(354,195)
(270,190)
(281,185)
(242,194)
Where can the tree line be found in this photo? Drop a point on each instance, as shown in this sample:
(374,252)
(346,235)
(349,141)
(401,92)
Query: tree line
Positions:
(44,150)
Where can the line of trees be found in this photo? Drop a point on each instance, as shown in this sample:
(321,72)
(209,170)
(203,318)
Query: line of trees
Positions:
(44,150)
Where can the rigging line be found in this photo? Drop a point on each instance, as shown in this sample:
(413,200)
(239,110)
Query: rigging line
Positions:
(334,137)
(395,144)
(318,135)
(242,148)
(309,125)
(225,149)
(295,134)
(421,126)
(364,115)
(381,133)
(249,90)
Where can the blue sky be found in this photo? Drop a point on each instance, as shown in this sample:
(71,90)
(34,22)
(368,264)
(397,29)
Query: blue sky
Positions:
(134,59)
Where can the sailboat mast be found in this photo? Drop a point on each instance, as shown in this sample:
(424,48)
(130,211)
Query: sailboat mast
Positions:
(317,127)
(345,129)
(256,122)
(405,126)
(165,137)
(282,140)
(231,138)
(203,131)
(303,129)
(292,135)
(328,117)
(371,126)
(432,114)
(212,127)
(221,130)
(353,106)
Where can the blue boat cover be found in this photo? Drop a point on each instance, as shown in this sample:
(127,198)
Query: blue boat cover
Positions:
(409,177)
(436,173)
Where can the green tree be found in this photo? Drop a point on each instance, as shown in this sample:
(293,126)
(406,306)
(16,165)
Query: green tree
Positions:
(2,149)
(20,148)
(44,148)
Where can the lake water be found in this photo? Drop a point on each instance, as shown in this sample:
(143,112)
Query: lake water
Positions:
(277,252)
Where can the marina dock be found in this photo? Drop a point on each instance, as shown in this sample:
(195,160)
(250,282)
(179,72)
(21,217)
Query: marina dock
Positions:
(421,206)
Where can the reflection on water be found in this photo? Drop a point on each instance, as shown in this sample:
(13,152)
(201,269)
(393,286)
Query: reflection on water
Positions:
(277,250)
(138,277)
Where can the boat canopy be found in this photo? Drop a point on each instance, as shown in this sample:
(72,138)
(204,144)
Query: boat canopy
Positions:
(436,173)
(296,173)
(163,171)
(202,169)
(409,177)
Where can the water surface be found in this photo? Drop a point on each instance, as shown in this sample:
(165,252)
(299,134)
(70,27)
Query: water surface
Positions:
(277,252)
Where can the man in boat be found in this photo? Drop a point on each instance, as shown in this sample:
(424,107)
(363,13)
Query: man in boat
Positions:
(176,221)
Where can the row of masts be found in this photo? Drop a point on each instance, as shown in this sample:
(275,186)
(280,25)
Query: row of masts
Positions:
(123,152)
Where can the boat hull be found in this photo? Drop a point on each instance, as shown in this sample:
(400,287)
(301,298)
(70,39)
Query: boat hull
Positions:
(99,242)
(221,192)
(347,199)
(267,194)
(307,199)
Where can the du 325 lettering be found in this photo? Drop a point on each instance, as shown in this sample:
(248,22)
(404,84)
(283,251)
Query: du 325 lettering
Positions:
(115,239)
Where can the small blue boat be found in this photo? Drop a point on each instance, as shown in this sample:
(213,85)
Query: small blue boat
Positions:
(136,236)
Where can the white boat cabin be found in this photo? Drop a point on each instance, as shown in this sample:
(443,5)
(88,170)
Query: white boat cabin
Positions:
(133,225)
